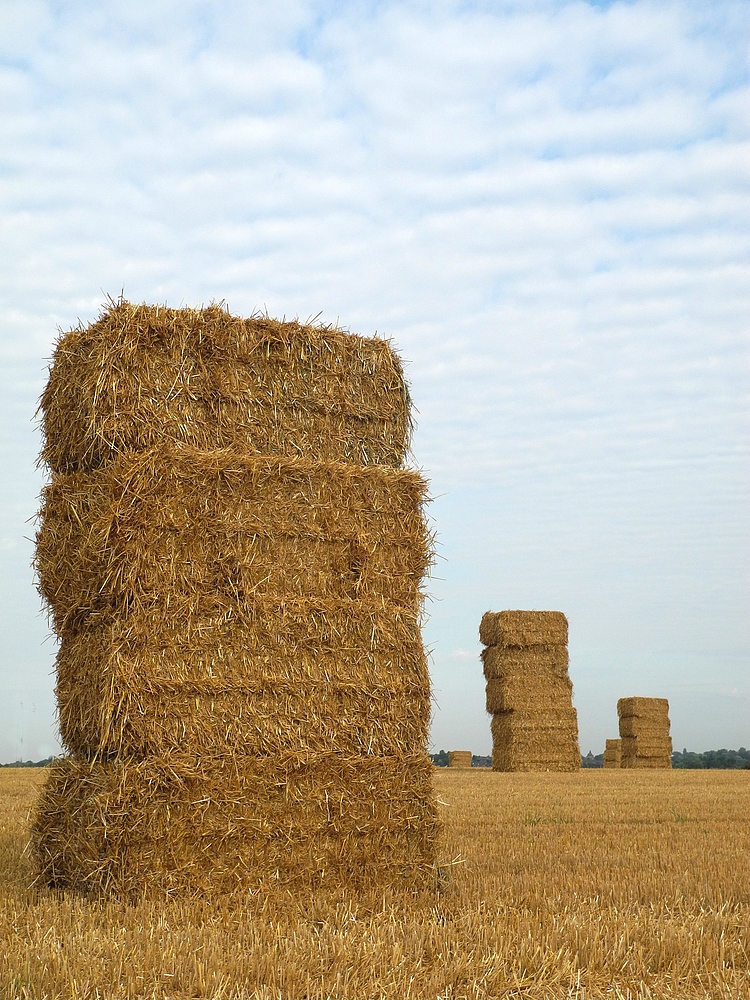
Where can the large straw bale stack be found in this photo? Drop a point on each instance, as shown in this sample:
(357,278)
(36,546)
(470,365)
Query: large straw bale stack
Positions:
(644,732)
(233,556)
(613,753)
(459,758)
(529,694)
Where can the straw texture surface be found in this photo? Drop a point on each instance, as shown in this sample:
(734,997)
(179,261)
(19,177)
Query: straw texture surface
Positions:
(346,674)
(644,732)
(232,556)
(167,825)
(180,521)
(521,629)
(142,375)
(613,754)
(529,694)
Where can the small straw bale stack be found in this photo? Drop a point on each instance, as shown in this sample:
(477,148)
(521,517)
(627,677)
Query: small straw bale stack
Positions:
(529,694)
(644,732)
(459,758)
(613,753)
(232,553)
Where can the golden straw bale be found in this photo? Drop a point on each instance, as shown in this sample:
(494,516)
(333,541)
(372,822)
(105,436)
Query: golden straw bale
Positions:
(142,375)
(524,693)
(612,754)
(646,746)
(297,821)
(179,521)
(500,662)
(459,758)
(631,725)
(661,762)
(532,720)
(210,638)
(111,699)
(350,673)
(644,732)
(642,708)
(544,745)
(521,629)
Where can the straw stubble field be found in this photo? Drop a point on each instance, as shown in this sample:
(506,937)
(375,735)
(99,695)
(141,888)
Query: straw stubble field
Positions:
(592,884)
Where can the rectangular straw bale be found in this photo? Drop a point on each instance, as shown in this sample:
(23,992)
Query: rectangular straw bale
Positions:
(183,677)
(613,754)
(537,730)
(521,629)
(459,758)
(129,689)
(513,755)
(643,708)
(209,637)
(141,375)
(499,662)
(302,822)
(510,759)
(545,745)
(631,725)
(180,522)
(534,692)
(662,762)
(647,746)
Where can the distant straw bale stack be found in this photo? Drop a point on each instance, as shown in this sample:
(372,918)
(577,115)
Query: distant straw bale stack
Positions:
(232,555)
(613,753)
(529,694)
(459,758)
(644,732)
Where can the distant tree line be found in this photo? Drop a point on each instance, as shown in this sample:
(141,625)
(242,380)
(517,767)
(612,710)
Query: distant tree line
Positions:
(30,763)
(719,760)
(724,760)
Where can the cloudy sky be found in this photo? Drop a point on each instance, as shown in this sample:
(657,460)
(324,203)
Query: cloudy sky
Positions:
(543,202)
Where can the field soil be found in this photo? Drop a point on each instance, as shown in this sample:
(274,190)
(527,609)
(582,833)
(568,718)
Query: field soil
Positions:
(588,885)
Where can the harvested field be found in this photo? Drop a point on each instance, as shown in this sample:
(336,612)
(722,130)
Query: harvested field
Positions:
(590,885)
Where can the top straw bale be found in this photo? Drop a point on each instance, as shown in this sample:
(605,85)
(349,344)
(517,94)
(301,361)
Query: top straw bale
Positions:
(521,629)
(644,708)
(141,375)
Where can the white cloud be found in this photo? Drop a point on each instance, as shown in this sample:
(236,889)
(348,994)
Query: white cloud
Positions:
(545,204)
